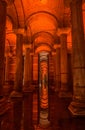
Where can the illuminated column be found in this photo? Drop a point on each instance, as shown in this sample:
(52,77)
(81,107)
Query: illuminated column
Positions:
(43,90)
(77,106)
(63,65)
(2,42)
(19,67)
(27,70)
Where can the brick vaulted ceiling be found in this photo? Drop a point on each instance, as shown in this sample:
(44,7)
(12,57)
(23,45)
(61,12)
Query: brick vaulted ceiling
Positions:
(39,17)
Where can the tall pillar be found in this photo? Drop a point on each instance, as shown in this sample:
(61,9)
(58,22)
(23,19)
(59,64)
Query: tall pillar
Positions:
(64,67)
(10,69)
(19,67)
(27,70)
(31,68)
(77,106)
(57,69)
(2,42)
(28,110)
(43,90)
(28,92)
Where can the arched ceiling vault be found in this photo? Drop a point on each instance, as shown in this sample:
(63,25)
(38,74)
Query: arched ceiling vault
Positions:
(20,10)
(37,16)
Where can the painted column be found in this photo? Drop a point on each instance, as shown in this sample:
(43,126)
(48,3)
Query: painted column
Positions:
(64,68)
(77,106)
(43,90)
(2,42)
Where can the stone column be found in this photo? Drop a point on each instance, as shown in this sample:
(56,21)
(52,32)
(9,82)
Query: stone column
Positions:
(57,69)
(77,106)
(28,92)
(64,67)
(43,90)
(7,69)
(10,69)
(31,68)
(19,67)
(27,74)
(2,42)
(28,110)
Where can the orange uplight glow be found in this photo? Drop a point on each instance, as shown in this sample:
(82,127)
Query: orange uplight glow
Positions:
(43,1)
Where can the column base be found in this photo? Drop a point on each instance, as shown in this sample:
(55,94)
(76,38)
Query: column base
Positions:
(41,128)
(16,94)
(44,123)
(77,108)
(65,94)
(29,89)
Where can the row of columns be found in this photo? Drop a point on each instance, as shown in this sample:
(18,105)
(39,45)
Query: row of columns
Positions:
(77,106)
(16,95)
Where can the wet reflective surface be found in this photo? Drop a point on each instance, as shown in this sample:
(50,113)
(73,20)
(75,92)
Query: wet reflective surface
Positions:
(25,118)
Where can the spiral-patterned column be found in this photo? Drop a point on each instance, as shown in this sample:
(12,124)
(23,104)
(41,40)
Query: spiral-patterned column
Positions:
(43,90)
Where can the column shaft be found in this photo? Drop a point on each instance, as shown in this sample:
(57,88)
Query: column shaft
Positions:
(77,106)
(28,110)
(27,75)
(19,68)
(2,43)
(64,68)
(43,90)
(19,64)
(57,69)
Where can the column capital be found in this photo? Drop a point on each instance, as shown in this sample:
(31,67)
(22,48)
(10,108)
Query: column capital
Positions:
(8,2)
(63,31)
(56,46)
(19,31)
(28,46)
